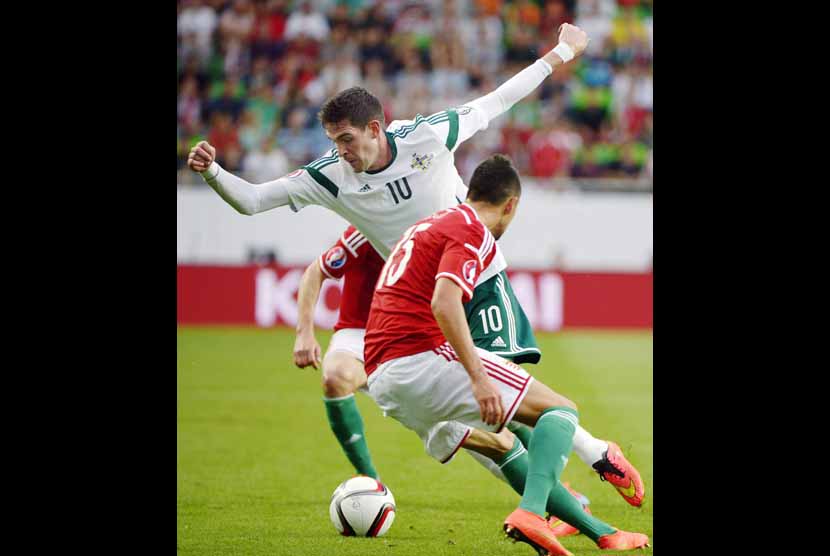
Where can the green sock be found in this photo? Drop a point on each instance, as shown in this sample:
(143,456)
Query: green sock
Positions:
(514,466)
(561,503)
(347,425)
(550,445)
(566,507)
(520,430)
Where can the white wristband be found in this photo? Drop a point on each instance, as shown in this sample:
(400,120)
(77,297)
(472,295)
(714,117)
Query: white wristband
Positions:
(211,172)
(564,51)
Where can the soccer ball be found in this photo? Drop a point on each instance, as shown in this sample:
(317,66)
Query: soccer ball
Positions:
(362,506)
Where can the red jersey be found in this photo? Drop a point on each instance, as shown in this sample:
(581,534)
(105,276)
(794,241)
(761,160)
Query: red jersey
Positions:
(355,258)
(451,243)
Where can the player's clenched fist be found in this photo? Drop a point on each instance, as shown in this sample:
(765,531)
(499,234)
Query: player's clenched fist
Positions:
(201,156)
(575,37)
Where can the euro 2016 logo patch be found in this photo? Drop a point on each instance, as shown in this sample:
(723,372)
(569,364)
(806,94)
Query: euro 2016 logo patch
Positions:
(336,258)
(421,162)
(469,271)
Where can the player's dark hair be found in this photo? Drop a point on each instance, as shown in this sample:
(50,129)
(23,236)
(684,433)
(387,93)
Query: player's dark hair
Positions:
(355,104)
(494,181)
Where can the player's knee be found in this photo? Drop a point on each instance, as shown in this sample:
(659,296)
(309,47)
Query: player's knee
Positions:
(339,381)
(336,386)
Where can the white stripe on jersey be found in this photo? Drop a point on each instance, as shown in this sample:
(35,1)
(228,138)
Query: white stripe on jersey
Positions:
(462,211)
(487,245)
(457,280)
(489,241)
(351,237)
(474,250)
(355,240)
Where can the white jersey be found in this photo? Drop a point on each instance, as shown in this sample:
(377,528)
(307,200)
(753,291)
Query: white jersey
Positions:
(420,180)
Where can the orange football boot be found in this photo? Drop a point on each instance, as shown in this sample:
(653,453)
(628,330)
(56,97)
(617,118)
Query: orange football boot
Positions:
(614,468)
(622,540)
(527,527)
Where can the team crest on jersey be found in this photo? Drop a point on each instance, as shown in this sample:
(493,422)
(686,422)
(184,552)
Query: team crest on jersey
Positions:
(421,162)
(461,110)
(336,257)
(469,271)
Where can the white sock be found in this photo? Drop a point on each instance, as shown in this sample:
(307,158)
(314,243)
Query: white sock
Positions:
(588,448)
(488,464)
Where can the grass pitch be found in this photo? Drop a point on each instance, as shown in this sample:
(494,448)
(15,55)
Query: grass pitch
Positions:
(257,463)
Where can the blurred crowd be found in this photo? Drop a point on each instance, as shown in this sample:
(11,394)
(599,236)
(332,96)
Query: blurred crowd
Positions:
(252,75)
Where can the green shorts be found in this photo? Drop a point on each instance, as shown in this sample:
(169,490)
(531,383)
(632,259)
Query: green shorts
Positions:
(498,324)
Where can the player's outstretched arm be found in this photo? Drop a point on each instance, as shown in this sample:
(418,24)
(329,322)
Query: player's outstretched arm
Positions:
(306,349)
(449,313)
(245,197)
(572,42)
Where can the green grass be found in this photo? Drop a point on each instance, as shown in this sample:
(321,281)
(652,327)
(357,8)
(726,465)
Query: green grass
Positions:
(256,461)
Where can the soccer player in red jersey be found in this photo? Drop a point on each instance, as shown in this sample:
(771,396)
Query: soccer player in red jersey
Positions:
(423,367)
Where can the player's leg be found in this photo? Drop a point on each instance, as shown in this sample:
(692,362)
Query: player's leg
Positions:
(343,375)
(554,418)
(502,454)
(506,458)
(429,387)
(499,325)
(443,440)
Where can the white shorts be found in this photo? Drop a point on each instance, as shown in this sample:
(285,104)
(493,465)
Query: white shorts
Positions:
(349,340)
(441,441)
(422,390)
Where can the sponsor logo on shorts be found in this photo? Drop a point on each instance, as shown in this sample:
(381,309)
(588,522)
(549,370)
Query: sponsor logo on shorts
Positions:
(461,110)
(469,271)
(498,343)
(336,257)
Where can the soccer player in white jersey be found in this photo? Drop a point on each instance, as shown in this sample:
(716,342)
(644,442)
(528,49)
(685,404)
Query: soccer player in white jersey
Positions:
(382,178)
(423,367)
